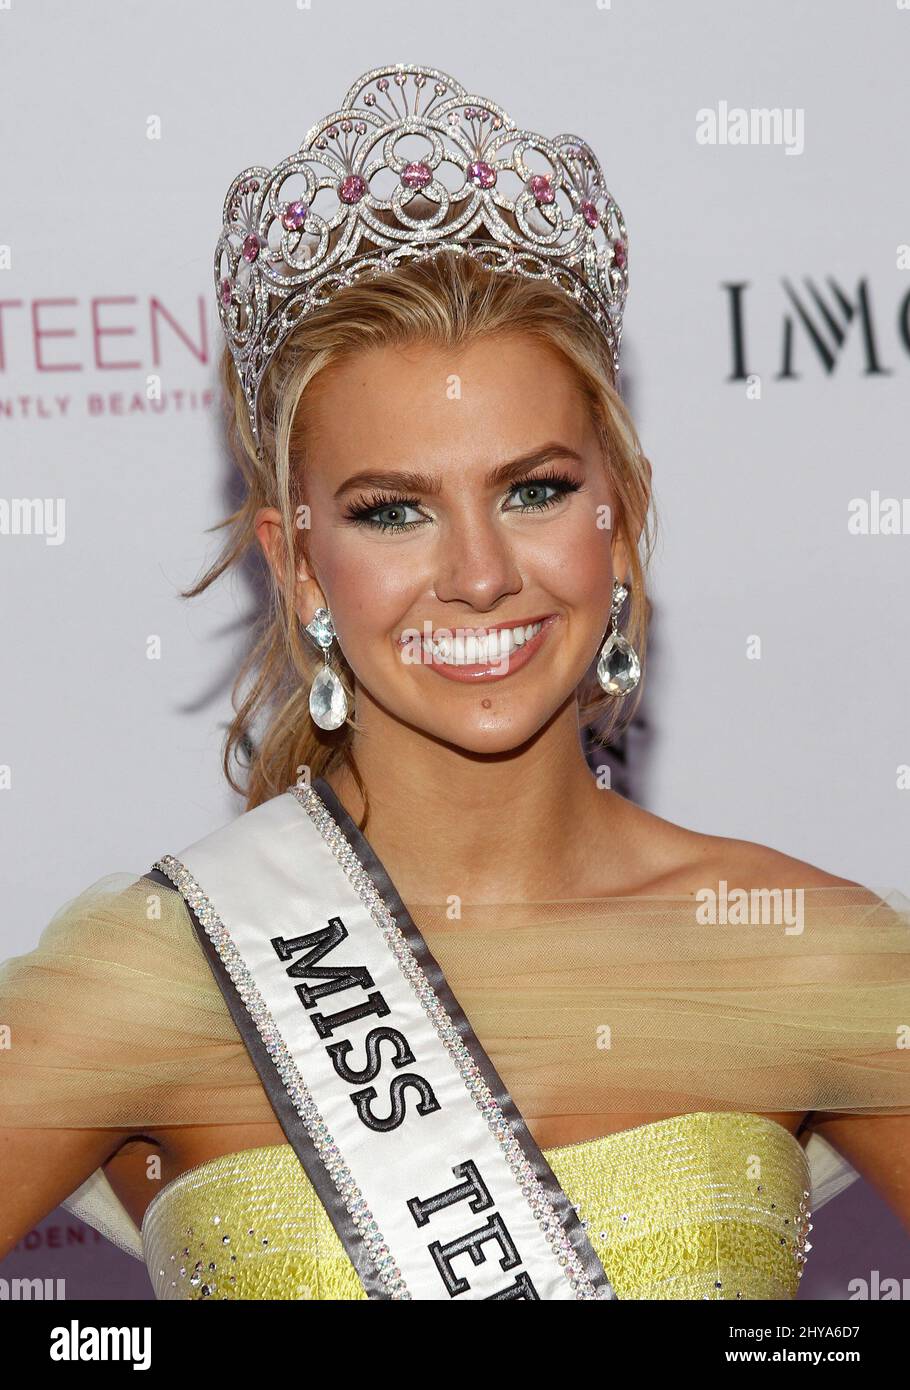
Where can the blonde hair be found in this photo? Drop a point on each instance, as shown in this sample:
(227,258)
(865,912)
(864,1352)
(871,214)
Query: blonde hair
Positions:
(448,301)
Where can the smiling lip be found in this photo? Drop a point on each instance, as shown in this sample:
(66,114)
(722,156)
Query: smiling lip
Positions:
(493,670)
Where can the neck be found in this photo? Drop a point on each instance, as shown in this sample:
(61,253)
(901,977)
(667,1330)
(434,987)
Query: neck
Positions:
(529,825)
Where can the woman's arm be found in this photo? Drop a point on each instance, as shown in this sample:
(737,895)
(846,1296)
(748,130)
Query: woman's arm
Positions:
(41,1167)
(878,1146)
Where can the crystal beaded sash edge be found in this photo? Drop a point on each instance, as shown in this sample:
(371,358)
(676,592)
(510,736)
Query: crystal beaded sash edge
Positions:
(572,1260)
(361,1216)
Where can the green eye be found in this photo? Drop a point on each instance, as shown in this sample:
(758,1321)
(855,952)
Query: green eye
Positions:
(536,501)
(396,509)
(560,483)
(364,512)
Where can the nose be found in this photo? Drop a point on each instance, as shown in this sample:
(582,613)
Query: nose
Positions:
(476,563)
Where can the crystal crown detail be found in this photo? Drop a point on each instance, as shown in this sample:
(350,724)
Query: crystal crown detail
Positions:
(412,164)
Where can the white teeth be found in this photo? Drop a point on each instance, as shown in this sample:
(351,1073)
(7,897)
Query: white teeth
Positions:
(469,650)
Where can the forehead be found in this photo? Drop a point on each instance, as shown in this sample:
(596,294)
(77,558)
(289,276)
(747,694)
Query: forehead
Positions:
(424,405)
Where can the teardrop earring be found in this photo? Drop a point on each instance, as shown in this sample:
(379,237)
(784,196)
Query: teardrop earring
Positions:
(328,702)
(618,667)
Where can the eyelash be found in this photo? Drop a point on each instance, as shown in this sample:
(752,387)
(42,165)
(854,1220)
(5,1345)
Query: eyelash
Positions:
(360,512)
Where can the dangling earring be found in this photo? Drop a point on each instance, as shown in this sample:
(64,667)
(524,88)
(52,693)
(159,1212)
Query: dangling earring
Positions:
(328,702)
(618,667)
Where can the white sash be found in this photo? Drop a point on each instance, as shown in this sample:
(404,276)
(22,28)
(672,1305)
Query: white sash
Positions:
(417,1151)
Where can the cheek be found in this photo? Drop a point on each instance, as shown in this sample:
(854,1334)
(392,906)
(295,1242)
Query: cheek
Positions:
(573,561)
(370,593)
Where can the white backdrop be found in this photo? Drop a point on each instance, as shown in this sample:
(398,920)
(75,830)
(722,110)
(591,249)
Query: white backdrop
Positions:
(107,238)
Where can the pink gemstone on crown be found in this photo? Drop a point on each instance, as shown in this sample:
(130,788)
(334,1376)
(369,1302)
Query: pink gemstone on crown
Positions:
(416,175)
(352,189)
(251,247)
(226,292)
(619,254)
(294,215)
(542,189)
(589,213)
(482,174)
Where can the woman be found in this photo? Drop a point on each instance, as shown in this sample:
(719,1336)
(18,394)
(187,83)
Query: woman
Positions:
(591,1078)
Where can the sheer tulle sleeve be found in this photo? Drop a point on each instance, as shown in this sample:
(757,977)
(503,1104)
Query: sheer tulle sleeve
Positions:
(659,1004)
(585,1006)
(114,1020)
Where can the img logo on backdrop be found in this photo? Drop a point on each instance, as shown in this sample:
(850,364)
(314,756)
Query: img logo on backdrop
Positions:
(816,325)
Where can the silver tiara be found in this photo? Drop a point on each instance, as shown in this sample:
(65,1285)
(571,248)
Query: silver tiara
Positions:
(412,165)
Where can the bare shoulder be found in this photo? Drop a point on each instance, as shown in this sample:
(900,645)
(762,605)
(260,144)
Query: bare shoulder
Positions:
(748,864)
(677,859)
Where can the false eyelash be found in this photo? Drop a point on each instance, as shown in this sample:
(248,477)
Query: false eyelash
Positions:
(359,511)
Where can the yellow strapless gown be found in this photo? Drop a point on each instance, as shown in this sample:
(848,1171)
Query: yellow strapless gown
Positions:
(709,1205)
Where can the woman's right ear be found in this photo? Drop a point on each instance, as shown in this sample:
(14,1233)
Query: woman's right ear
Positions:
(308,596)
(267,525)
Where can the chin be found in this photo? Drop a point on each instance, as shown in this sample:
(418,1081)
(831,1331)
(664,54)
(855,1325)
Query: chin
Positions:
(460,720)
(486,731)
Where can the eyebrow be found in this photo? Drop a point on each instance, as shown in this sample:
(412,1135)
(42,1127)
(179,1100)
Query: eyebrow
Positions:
(427,485)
